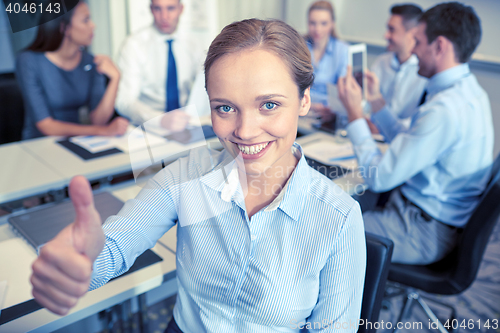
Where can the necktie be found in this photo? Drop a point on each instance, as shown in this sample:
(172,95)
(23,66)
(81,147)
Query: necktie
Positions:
(422,100)
(172,89)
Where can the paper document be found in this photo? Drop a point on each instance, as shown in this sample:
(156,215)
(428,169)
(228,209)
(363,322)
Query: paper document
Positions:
(132,140)
(332,153)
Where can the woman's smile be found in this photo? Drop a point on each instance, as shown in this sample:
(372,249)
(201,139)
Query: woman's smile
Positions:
(255,108)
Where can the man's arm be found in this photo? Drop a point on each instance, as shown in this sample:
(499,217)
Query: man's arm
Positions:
(431,133)
(410,151)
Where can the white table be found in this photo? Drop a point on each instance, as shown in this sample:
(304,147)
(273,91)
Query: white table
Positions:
(23,175)
(38,166)
(68,164)
(353,182)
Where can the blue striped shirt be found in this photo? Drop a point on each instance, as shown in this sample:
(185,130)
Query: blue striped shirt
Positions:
(332,66)
(302,258)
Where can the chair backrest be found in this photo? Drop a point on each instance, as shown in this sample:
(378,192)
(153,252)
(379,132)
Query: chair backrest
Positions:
(476,233)
(11,109)
(378,260)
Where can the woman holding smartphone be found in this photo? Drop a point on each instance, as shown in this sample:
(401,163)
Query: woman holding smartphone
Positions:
(329,55)
(264,242)
(58,77)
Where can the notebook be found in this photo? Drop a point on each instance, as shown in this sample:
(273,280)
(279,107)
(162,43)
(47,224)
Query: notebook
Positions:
(84,153)
(41,225)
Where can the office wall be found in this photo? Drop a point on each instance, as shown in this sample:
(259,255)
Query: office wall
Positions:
(231,10)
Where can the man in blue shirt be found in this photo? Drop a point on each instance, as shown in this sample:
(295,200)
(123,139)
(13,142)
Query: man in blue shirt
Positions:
(400,85)
(442,161)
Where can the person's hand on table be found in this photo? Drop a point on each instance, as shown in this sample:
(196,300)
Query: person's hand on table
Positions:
(105,66)
(62,272)
(322,111)
(117,126)
(175,120)
(373,95)
(350,95)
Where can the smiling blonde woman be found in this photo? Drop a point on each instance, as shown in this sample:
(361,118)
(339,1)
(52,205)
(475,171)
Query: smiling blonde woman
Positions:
(264,243)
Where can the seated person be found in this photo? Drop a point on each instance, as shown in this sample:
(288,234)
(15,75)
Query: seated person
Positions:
(328,54)
(442,162)
(264,241)
(58,78)
(400,85)
(159,66)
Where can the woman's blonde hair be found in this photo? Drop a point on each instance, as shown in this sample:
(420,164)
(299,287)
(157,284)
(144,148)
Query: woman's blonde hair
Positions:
(324,5)
(271,35)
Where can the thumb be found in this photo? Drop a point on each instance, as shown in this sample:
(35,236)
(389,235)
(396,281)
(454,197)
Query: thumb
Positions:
(88,237)
(368,75)
(83,201)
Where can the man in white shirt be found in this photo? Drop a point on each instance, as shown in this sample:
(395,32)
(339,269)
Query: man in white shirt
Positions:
(152,61)
(400,85)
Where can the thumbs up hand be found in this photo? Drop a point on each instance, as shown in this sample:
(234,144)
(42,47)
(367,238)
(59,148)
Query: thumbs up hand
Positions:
(61,274)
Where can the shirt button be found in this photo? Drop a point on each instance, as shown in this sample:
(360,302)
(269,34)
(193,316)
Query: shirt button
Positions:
(253,237)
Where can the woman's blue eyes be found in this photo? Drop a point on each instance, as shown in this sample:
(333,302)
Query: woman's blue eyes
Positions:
(267,106)
(225,108)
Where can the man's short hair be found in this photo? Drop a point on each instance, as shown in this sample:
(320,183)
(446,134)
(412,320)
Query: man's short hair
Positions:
(409,12)
(457,23)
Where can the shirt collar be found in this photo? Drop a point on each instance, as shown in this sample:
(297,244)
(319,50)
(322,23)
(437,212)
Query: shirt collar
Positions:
(162,36)
(218,176)
(447,78)
(412,60)
(224,178)
(330,47)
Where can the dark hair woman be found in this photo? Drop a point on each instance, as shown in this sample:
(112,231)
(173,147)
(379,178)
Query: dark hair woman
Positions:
(58,77)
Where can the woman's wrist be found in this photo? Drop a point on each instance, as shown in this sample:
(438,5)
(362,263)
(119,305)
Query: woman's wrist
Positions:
(115,78)
(100,130)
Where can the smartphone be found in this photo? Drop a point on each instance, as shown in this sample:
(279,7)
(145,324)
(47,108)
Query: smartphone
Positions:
(357,60)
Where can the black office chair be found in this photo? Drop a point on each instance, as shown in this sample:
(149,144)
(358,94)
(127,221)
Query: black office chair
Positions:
(456,272)
(378,260)
(11,109)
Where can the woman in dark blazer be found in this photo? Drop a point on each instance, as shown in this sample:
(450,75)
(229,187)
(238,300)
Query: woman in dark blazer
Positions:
(59,78)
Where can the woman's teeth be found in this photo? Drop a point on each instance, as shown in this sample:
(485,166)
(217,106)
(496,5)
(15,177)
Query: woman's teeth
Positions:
(250,150)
